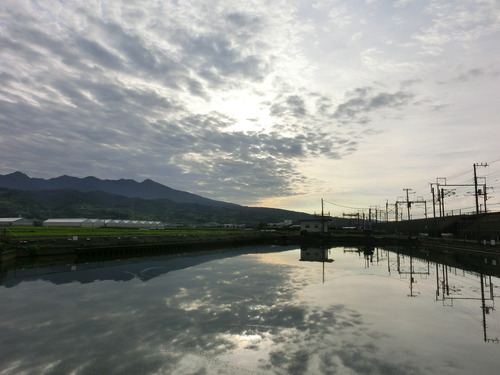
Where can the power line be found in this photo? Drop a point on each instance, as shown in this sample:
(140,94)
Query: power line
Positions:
(339,205)
(460,190)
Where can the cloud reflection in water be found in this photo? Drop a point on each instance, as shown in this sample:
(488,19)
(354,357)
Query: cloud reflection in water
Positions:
(226,315)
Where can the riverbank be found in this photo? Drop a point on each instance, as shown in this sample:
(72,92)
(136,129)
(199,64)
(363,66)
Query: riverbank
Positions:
(129,243)
(86,244)
(449,244)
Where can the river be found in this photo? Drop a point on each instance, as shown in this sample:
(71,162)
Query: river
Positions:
(252,310)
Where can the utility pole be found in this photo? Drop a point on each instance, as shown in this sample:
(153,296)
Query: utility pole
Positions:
(485,198)
(442,199)
(378,213)
(433,200)
(440,193)
(422,200)
(322,220)
(475,185)
(408,205)
(475,190)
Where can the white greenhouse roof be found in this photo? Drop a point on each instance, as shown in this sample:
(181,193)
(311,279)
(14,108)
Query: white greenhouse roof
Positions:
(79,220)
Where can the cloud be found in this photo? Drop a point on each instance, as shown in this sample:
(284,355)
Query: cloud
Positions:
(457,24)
(363,101)
(92,109)
(103,92)
(183,315)
(477,73)
(98,54)
(225,100)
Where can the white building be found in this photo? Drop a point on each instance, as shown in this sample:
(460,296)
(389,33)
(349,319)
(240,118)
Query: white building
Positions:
(78,222)
(156,225)
(99,223)
(95,223)
(316,225)
(112,223)
(15,222)
(146,224)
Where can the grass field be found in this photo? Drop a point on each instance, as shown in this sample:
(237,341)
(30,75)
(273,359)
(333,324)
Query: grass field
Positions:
(23,232)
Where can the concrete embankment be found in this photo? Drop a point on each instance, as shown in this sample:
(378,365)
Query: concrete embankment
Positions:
(100,247)
(481,258)
(445,244)
(82,248)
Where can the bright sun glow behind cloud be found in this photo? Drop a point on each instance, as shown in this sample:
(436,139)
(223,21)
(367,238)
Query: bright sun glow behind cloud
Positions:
(259,103)
(246,110)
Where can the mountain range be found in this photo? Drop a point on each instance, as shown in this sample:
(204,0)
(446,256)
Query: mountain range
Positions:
(67,196)
(147,189)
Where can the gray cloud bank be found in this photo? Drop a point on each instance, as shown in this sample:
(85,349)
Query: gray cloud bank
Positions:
(127,91)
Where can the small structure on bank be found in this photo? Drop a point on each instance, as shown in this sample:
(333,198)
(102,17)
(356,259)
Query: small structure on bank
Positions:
(316,225)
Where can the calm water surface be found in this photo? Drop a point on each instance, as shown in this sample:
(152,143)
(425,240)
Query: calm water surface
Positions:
(259,310)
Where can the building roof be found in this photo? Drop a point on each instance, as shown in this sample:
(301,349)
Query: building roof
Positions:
(77,220)
(318,218)
(11,219)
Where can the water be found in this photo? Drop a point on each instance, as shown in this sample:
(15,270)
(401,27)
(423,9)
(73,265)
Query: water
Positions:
(259,310)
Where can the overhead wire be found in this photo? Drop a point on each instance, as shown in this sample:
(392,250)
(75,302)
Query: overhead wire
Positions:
(339,205)
(460,192)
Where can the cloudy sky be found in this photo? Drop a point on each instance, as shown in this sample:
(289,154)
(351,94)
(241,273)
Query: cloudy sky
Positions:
(271,103)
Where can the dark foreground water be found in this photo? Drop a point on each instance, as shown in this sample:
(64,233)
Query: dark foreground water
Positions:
(265,310)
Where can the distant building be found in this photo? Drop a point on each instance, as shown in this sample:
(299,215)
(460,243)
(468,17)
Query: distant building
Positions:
(315,225)
(100,223)
(212,224)
(78,222)
(15,222)
(233,226)
(112,223)
(285,223)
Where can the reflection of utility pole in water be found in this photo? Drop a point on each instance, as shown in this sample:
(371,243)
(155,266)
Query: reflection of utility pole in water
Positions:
(326,252)
(486,309)
(443,285)
(368,255)
(325,259)
(316,254)
(412,272)
(452,293)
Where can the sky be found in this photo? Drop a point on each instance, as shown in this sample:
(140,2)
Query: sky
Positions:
(262,103)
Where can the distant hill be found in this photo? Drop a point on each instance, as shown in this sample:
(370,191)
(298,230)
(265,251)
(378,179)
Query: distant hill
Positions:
(126,199)
(147,189)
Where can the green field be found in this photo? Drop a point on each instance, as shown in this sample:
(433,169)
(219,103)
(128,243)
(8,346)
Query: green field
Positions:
(23,232)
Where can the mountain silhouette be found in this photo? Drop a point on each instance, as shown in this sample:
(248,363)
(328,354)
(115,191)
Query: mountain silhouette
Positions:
(147,189)
(66,196)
